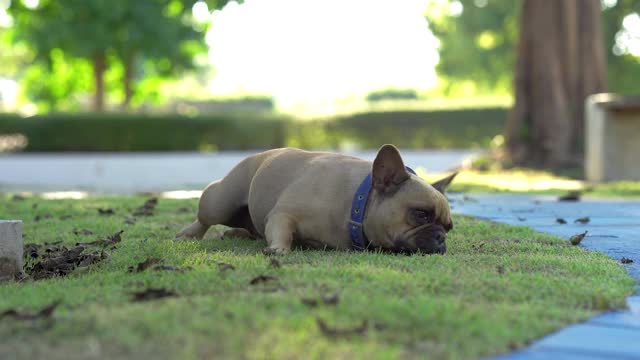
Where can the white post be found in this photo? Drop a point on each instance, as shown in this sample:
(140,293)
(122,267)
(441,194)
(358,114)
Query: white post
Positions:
(10,248)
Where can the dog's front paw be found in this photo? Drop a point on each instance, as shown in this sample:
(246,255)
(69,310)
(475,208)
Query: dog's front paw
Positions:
(269,251)
(194,231)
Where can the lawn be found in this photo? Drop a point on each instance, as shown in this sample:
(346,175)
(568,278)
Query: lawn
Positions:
(498,288)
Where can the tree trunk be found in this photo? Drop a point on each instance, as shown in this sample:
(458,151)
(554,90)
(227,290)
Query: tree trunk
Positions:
(99,67)
(560,61)
(128,81)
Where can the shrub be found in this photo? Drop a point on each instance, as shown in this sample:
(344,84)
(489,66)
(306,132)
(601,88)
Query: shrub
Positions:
(134,132)
(139,132)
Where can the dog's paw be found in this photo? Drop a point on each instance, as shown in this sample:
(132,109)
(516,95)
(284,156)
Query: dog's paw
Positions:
(269,251)
(194,231)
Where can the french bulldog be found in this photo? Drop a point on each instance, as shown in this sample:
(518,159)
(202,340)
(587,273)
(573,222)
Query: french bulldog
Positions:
(297,198)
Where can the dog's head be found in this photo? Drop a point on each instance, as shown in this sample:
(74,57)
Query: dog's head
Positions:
(404,213)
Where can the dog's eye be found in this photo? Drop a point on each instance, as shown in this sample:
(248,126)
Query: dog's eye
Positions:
(422,216)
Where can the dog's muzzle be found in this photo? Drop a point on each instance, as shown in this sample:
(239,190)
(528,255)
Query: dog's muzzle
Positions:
(428,240)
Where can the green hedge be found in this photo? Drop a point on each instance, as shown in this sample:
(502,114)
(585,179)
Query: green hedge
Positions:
(437,129)
(135,132)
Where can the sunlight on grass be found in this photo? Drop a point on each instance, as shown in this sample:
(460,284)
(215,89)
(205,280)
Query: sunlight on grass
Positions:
(498,288)
(513,180)
(532,181)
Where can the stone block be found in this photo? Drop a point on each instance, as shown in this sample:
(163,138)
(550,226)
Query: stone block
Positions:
(10,248)
(612,138)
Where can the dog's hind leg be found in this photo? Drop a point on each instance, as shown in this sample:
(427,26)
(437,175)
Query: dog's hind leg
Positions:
(224,202)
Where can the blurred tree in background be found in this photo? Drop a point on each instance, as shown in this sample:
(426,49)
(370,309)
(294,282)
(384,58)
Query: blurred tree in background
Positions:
(561,60)
(77,43)
(571,48)
(478,41)
(477,44)
(623,68)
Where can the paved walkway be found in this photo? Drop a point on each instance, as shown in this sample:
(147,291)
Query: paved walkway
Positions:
(614,229)
(144,172)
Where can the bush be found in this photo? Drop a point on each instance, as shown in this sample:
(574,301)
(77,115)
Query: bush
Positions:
(135,132)
(441,129)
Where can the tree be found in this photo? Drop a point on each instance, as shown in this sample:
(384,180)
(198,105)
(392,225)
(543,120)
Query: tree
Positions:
(476,44)
(561,60)
(486,31)
(160,32)
(623,69)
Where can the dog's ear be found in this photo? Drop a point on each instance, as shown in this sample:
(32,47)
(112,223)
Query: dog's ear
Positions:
(388,170)
(442,184)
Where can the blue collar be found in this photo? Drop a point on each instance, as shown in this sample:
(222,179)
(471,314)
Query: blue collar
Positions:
(356,232)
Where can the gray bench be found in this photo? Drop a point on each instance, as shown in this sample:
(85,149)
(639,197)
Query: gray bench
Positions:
(612,138)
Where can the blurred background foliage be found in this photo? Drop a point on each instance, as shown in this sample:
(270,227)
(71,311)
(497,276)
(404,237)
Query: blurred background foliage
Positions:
(64,48)
(478,45)
(88,132)
(148,56)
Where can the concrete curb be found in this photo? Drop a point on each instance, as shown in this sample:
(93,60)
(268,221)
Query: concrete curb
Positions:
(10,248)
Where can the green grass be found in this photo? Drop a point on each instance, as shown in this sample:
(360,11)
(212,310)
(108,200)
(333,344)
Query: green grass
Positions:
(498,288)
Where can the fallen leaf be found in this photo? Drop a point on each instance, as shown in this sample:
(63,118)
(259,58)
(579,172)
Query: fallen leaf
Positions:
(335,332)
(576,239)
(262,279)
(57,260)
(380,326)
(31,250)
(147,208)
(171,268)
(222,267)
(82,232)
(110,240)
(583,220)
(561,221)
(570,196)
(625,260)
(142,266)
(152,294)
(274,263)
(326,299)
(44,313)
(42,217)
(331,299)
(310,302)
(106,211)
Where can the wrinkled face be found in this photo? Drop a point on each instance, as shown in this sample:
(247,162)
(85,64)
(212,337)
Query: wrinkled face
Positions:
(414,218)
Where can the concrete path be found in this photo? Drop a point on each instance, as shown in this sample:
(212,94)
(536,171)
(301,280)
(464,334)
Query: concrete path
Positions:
(146,172)
(614,228)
